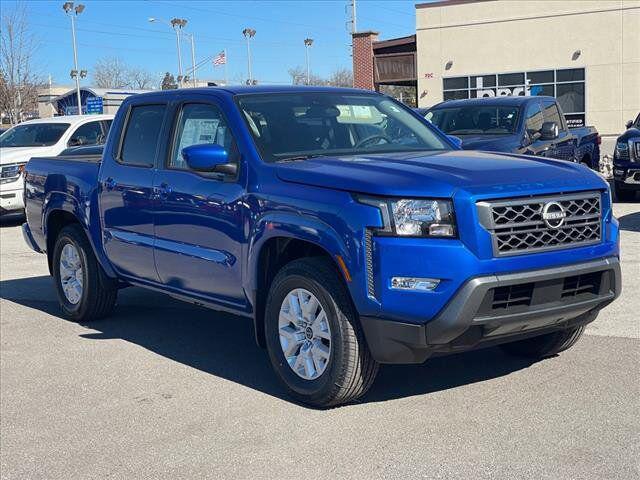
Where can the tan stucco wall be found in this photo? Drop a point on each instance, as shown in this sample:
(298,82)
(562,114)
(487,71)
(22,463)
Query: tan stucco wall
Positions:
(500,36)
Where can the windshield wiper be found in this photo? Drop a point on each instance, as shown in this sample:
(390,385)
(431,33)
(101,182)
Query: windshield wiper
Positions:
(296,158)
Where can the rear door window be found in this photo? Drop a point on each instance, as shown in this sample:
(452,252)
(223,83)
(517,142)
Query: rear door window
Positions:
(550,113)
(141,135)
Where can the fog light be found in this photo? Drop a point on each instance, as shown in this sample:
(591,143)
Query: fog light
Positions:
(411,283)
(438,230)
(618,173)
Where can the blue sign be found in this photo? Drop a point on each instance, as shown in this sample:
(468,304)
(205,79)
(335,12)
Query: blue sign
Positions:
(94,105)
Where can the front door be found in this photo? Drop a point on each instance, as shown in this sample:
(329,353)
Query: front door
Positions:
(199,216)
(127,197)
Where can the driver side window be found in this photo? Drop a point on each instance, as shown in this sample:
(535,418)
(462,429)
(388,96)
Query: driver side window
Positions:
(87,134)
(201,124)
(533,119)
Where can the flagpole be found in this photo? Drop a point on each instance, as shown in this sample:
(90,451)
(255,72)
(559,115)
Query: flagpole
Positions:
(226,78)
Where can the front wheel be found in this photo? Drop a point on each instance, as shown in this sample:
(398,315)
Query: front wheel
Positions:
(314,339)
(85,293)
(545,345)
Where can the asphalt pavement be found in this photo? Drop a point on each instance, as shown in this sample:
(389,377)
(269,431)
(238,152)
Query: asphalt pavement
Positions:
(167,390)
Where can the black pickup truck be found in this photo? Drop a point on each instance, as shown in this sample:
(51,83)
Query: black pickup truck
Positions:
(626,162)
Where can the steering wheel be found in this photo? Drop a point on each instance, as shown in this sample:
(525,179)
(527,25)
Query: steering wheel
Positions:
(369,139)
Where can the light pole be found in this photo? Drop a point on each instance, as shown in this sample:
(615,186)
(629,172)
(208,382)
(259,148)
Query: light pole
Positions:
(193,58)
(72,12)
(307,44)
(177,24)
(249,33)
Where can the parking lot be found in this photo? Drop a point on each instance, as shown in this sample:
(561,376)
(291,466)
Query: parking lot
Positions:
(167,390)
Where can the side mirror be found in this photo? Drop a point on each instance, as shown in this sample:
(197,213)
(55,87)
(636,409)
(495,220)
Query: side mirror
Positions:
(208,157)
(629,124)
(549,131)
(457,141)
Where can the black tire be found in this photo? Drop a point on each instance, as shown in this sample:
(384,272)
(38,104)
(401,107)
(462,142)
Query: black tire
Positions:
(99,292)
(622,194)
(350,370)
(545,345)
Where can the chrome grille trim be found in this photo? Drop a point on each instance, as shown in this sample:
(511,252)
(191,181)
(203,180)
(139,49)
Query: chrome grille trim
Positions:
(368,249)
(517,227)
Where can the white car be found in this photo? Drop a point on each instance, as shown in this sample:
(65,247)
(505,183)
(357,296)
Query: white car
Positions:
(45,137)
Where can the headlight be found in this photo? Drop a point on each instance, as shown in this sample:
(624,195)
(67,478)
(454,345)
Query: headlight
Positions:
(416,217)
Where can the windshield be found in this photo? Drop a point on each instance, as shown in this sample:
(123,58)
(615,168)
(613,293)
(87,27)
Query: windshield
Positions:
(33,135)
(302,125)
(475,120)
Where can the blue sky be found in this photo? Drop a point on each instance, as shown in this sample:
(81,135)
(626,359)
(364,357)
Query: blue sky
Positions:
(121,29)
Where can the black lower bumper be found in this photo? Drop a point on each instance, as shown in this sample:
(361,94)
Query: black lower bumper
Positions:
(500,308)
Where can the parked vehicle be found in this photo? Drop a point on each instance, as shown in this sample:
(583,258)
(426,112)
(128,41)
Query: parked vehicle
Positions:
(523,125)
(626,162)
(348,229)
(45,136)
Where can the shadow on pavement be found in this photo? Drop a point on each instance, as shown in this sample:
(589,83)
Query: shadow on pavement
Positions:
(223,344)
(630,222)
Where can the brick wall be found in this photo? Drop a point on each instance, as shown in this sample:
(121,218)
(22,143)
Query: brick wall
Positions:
(363,59)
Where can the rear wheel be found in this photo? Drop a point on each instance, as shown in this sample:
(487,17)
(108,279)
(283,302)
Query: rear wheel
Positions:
(314,339)
(85,293)
(545,345)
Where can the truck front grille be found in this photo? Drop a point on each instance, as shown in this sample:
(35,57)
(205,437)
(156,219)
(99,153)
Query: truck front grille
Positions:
(536,224)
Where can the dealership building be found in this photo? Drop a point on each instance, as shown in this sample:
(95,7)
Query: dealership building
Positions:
(585,53)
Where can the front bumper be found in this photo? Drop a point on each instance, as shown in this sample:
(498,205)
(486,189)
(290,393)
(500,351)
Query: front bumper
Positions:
(500,308)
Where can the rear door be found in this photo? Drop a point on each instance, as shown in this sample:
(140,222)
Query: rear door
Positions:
(127,198)
(199,216)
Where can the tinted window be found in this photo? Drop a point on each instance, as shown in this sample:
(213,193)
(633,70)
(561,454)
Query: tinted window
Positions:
(33,135)
(455,83)
(540,77)
(201,124)
(533,118)
(511,79)
(87,134)
(456,95)
(571,96)
(550,113)
(475,120)
(570,75)
(141,135)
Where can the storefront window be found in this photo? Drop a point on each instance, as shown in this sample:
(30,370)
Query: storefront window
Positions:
(567,85)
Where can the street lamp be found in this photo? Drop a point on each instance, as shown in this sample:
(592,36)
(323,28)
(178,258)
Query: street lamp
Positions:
(307,44)
(177,24)
(249,33)
(193,58)
(72,12)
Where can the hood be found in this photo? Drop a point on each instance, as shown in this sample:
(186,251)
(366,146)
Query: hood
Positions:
(629,134)
(22,154)
(494,143)
(441,174)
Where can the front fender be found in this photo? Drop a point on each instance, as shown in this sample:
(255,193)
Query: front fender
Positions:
(87,215)
(299,227)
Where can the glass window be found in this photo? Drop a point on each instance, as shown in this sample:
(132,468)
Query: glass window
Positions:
(201,124)
(456,95)
(570,75)
(455,83)
(540,77)
(33,135)
(484,93)
(483,81)
(541,90)
(88,134)
(533,118)
(476,120)
(310,124)
(506,79)
(141,135)
(571,97)
(550,113)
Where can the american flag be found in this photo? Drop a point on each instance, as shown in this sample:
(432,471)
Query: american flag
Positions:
(220,59)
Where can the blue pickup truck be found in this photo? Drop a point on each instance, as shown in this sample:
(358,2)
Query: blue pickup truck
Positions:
(350,231)
(523,125)
(626,162)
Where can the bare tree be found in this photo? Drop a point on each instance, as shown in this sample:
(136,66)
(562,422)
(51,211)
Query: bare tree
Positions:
(112,72)
(299,77)
(19,82)
(341,78)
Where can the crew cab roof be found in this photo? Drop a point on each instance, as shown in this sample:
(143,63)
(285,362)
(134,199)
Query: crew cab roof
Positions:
(507,101)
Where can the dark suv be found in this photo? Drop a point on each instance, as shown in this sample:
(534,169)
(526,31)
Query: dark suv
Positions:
(626,162)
